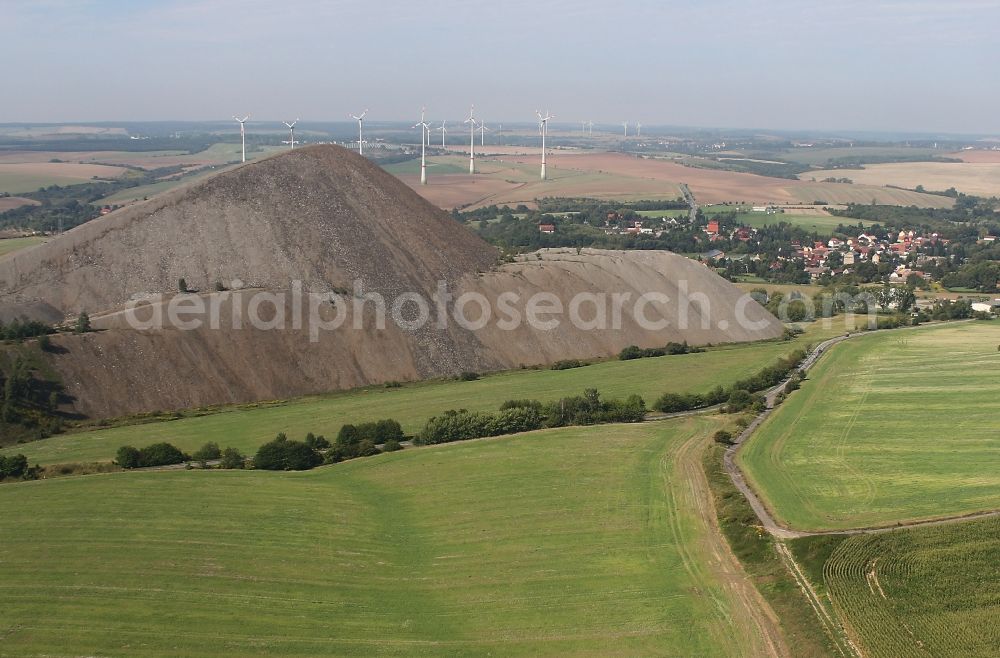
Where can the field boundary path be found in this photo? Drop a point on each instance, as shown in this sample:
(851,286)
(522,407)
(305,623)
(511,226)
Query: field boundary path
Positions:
(767,519)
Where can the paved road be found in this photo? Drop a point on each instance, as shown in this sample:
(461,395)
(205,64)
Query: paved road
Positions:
(689,197)
(763,514)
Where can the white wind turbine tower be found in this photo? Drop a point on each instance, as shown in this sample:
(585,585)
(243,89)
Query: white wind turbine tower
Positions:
(360,119)
(638,129)
(482,133)
(444,131)
(425,131)
(243,134)
(472,139)
(543,122)
(291,132)
(625,126)
(590,125)
(583,127)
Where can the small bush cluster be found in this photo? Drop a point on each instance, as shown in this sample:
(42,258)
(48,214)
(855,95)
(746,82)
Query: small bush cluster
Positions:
(516,416)
(567,364)
(16,467)
(281,454)
(635,352)
(21,329)
(157,454)
(766,378)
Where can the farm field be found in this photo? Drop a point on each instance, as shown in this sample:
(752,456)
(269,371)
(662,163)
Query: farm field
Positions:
(10,245)
(589,541)
(819,157)
(11,202)
(823,225)
(977,178)
(248,426)
(930,591)
(618,176)
(28,177)
(887,428)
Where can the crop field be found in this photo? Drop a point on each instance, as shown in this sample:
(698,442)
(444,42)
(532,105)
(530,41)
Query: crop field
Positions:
(10,245)
(588,541)
(28,177)
(888,427)
(930,591)
(512,179)
(820,156)
(248,426)
(977,178)
(11,202)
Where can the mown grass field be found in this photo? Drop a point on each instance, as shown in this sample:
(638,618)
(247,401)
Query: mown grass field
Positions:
(10,245)
(585,541)
(930,591)
(248,426)
(813,223)
(888,427)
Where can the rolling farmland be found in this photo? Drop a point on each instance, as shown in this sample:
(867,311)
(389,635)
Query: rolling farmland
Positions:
(929,591)
(978,178)
(248,426)
(591,541)
(10,245)
(28,177)
(888,427)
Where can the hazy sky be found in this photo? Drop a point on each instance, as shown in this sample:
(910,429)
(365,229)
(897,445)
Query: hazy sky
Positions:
(856,65)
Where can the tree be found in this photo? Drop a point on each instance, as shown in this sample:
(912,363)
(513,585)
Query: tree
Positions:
(182,285)
(161,454)
(82,325)
(14,466)
(388,430)
(232,458)
(284,455)
(724,437)
(128,457)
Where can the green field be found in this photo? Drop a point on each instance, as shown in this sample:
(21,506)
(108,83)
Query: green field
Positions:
(820,156)
(824,225)
(435,165)
(929,591)
(248,426)
(888,427)
(11,245)
(586,541)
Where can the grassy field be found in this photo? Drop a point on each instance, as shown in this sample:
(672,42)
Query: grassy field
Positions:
(814,223)
(585,541)
(11,245)
(888,427)
(929,591)
(248,426)
(820,156)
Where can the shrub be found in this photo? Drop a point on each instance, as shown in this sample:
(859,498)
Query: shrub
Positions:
(317,442)
(468,376)
(44,343)
(629,353)
(463,425)
(207,452)
(232,458)
(14,466)
(127,457)
(182,285)
(723,437)
(161,454)
(387,430)
(284,455)
(567,364)
(82,325)
(521,404)
(392,445)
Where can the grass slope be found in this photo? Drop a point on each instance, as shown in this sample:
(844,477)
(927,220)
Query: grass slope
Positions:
(248,426)
(888,427)
(929,591)
(10,245)
(577,541)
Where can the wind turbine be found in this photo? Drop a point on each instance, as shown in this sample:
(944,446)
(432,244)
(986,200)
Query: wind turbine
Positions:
(291,132)
(625,125)
(500,134)
(360,120)
(482,133)
(583,127)
(243,134)
(424,138)
(638,129)
(543,123)
(472,139)
(590,124)
(444,131)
